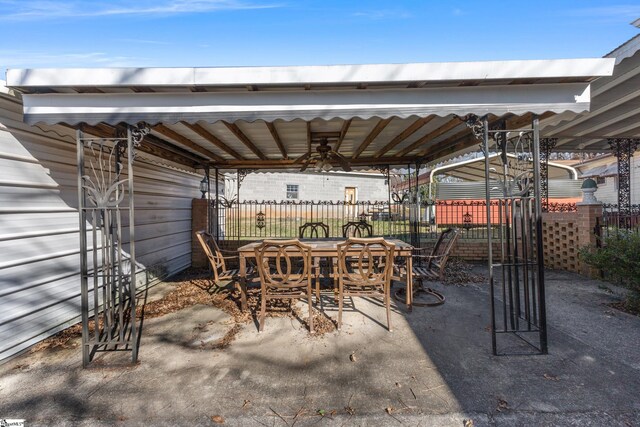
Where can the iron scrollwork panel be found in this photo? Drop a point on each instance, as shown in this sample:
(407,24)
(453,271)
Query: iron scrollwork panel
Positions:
(107,269)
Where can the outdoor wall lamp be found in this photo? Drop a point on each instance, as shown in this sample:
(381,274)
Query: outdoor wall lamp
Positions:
(204,186)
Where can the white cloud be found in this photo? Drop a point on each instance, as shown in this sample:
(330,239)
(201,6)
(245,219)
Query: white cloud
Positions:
(48,9)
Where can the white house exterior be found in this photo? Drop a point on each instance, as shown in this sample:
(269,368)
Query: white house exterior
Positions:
(316,186)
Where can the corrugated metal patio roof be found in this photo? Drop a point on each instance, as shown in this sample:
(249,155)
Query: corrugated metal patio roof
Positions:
(265,117)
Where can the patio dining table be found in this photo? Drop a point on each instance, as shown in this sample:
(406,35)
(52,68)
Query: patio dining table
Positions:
(328,248)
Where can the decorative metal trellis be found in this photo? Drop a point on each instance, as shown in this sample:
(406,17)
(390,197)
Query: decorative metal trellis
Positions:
(546,146)
(107,242)
(516,263)
(624,148)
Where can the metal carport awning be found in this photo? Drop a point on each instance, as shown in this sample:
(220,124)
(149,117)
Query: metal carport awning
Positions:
(244,118)
(247,106)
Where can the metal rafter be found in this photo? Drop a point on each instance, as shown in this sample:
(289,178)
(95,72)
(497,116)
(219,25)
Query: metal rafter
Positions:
(276,138)
(379,127)
(245,139)
(172,134)
(430,136)
(213,139)
(623,148)
(153,145)
(410,130)
(343,133)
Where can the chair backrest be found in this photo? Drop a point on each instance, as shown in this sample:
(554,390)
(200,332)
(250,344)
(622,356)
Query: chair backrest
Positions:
(214,255)
(366,262)
(284,263)
(442,249)
(314,230)
(357,229)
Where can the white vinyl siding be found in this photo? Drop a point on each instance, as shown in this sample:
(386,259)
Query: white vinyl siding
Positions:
(39,242)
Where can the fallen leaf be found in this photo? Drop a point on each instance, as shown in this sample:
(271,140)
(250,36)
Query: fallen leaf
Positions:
(246,402)
(349,410)
(550,377)
(217,419)
(468,423)
(321,412)
(353,357)
(398,385)
(390,409)
(502,405)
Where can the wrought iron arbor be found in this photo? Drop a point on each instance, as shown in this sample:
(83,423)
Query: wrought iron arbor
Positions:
(107,242)
(516,260)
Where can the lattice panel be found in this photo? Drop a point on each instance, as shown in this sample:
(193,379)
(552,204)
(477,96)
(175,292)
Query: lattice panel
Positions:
(560,244)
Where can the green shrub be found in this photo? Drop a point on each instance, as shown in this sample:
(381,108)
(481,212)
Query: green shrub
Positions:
(619,257)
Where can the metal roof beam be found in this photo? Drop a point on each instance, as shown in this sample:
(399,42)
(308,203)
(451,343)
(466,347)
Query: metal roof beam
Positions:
(244,139)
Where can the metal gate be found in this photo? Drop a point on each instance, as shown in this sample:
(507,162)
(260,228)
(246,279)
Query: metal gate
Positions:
(108,271)
(516,264)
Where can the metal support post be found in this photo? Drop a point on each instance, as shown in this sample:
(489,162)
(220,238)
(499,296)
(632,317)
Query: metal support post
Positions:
(623,148)
(546,146)
(542,315)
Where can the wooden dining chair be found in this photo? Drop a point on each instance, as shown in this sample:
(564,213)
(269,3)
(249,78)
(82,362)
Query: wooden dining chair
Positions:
(316,230)
(364,268)
(221,275)
(357,229)
(285,270)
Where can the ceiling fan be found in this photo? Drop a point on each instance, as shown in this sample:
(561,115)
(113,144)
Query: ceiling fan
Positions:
(323,157)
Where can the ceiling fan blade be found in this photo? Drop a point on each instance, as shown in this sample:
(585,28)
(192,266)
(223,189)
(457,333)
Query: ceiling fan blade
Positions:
(305,166)
(302,158)
(344,164)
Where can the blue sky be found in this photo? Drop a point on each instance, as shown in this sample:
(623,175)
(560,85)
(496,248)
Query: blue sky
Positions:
(175,33)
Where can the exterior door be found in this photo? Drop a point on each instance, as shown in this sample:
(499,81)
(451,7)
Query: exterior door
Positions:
(350,200)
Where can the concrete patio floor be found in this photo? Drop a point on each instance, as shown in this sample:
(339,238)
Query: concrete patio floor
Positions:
(435,368)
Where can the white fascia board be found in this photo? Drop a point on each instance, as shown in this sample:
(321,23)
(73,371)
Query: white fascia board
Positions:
(307,105)
(329,74)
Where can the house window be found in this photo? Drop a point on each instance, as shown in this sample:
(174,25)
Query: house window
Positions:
(292,191)
(601,180)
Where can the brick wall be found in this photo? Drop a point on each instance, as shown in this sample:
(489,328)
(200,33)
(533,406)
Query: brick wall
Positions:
(473,250)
